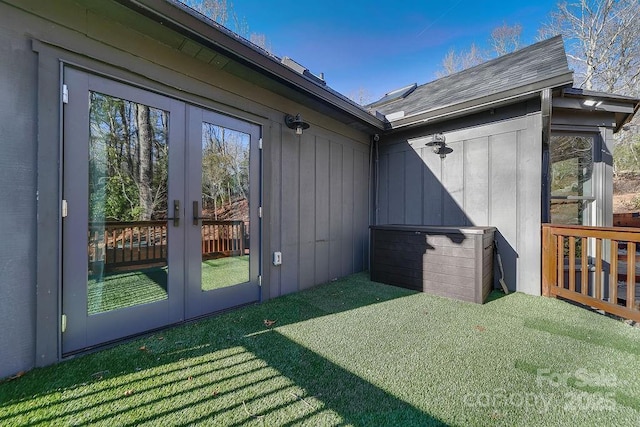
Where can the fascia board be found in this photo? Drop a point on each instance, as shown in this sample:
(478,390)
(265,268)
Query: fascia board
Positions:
(490,101)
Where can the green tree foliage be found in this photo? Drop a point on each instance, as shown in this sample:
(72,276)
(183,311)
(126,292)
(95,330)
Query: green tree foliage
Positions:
(128,160)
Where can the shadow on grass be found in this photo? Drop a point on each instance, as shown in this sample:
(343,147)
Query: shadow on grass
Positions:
(229,369)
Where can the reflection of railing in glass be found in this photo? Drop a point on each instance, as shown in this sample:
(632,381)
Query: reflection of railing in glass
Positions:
(128,190)
(225,207)
(122,244)
(117,245)
(227,238)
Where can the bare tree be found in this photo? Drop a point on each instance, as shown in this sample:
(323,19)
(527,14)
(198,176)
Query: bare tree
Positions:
(217,10)
(603,42)
(454,62)
(506,38)
(361,96)
(260,40)
(223,12)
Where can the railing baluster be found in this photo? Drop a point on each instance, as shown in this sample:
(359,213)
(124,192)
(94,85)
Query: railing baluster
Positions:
(572,263)
(136,232)
(554,238)
(148,237)
(234,244)
(155,242)
(613,281)
(114,245)
(598,282)
(560,261)
(584,277)
(130,243)
(226,238)
(631,274)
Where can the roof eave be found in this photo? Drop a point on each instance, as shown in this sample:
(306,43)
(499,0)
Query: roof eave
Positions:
(625,106)
(167,14)
(479,104)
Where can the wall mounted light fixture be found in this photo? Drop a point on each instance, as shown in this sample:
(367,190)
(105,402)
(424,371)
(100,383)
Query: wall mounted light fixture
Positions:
(437,141)
(296,122)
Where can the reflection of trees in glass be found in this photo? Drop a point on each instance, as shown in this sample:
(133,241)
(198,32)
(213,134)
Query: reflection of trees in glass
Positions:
(225,170)
(571,171)
(128,160)
(571,165)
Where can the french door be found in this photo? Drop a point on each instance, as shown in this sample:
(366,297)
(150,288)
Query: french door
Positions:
(160,211)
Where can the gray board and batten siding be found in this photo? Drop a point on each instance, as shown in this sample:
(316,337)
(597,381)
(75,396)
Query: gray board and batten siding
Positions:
(453,262)
(492,177)
(314,187)
(491,117)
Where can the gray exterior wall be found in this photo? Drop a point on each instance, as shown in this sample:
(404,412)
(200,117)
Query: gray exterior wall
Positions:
(319,209)
(18,175)
(315,188)
(492,177)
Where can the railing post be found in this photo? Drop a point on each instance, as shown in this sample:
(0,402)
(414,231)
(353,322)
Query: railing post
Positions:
(549,260)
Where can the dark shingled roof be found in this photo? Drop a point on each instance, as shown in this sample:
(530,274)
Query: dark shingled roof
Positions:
(532,68)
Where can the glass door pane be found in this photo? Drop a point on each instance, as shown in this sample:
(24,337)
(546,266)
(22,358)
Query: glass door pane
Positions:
(225,207)
(571,179)
(128,209)
(123,180)
(223,237)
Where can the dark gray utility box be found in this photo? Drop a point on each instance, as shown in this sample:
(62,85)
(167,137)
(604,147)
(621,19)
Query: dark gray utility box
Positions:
(454,262)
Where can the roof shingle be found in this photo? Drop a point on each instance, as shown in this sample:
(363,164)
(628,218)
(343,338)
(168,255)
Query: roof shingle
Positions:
(536,63)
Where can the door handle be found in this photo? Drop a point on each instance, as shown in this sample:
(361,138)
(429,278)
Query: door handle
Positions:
(176,213)
(196,212)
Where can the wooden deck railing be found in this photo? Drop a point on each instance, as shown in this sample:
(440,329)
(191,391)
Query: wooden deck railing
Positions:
(594,266)
(120,244)
(223,237)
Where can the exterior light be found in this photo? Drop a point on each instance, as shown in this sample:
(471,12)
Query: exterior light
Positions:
(437,141)
(592,103)
(296,122)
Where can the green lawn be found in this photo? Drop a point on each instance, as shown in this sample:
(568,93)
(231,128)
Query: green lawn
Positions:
(124,289)
(222,272)
(353,352)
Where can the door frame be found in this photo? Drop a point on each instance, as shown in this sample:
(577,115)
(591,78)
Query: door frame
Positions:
(197,302)
(52,59)
(177,312)
(105,326)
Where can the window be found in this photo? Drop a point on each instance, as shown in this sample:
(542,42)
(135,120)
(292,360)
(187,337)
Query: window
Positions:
(571,158)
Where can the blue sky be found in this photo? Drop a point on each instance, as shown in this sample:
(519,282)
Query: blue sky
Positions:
(380,46)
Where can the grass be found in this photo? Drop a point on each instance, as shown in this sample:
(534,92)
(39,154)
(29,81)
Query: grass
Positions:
(222,272)
(125,289)
(352,352)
